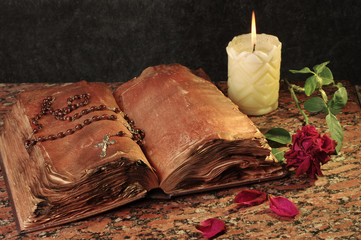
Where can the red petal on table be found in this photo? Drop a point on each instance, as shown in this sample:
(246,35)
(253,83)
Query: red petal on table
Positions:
(250,198)
(283,207)
(211,227)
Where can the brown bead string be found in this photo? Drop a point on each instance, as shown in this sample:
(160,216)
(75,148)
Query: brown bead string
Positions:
(62,115)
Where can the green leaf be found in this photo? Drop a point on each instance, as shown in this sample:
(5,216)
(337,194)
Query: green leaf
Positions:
(310,85)
(326,76)
(338,100)
(279,135)
(339,85)
(315,104)
(303,70)
(335,129)
(280,155)
(319,68)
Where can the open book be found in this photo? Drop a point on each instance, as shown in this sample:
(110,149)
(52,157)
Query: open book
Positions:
(73,151)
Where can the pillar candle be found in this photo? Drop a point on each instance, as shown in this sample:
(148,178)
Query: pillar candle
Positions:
(254,73)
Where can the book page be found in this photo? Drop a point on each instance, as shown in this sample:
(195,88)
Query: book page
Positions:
(195,137)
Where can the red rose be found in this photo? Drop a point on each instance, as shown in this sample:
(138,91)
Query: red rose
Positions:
(309,150)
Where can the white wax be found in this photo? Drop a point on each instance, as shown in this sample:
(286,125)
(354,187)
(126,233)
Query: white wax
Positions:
(253,77)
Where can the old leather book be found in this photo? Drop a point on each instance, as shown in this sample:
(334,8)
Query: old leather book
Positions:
(76,150)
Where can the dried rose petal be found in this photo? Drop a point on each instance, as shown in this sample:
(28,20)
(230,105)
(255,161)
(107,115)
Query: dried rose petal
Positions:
(250,198)
(211,227)
(283,207)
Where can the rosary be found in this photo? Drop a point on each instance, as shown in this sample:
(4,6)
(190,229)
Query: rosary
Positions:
(62,114)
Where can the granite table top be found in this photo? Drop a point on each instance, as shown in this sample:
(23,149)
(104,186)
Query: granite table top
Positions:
(330,207)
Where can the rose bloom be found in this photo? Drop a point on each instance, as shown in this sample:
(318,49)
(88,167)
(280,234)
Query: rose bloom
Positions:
(309,150)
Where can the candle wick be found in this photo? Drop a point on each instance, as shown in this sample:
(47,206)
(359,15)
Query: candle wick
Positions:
(254,48)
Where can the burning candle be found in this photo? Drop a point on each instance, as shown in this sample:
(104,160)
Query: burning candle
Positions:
(254,62)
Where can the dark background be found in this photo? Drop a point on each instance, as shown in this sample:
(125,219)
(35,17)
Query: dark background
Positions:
(105,40)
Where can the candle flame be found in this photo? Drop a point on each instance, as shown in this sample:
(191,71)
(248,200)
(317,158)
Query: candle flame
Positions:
(253,31)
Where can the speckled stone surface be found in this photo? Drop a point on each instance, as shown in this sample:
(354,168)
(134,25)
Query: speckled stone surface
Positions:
(330,207)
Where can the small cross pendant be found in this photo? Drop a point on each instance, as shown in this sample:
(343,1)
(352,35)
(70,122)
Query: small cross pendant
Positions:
(104,145)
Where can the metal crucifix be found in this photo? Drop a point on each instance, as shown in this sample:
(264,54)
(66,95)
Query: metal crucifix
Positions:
(104,145)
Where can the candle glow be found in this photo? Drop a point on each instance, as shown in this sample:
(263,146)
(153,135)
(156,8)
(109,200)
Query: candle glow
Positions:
(253,31)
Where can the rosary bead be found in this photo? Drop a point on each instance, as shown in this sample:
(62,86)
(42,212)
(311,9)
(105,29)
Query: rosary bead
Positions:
(93,108)
(117,110)
(101,107)
(113,117)
(78,127)
(76,116)
(95,118)
(33,142)
(120,134)
(50,98)
(137,139)
(68,118)
(69,131)
(27,143)
(60,135)
(41,139)
(35,130)
(141,133)
(84,111)
(104,116)
(87,121)
(51,137)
